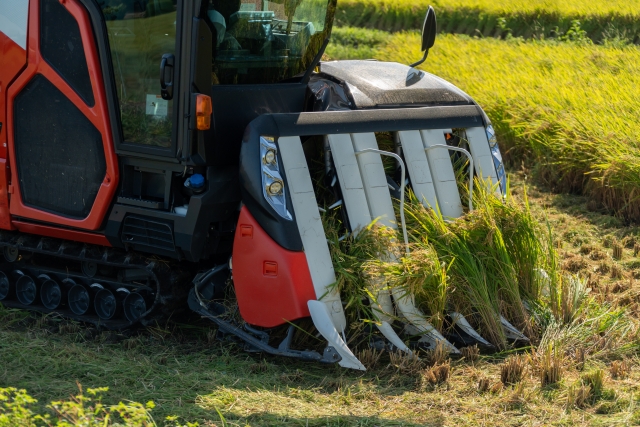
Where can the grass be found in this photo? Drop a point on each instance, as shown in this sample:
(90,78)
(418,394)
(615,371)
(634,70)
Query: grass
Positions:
(188,375)
(611,20)
(577,134)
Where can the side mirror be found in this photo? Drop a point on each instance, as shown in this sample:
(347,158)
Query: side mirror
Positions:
(429,29)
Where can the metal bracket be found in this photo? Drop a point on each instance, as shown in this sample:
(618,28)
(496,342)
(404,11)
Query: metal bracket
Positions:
(330,355)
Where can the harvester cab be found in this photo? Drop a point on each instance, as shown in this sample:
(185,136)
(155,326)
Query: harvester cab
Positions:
(126,195)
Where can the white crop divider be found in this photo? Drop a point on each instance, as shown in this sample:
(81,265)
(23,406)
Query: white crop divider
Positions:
(402,186)
(357,205)
(466,153)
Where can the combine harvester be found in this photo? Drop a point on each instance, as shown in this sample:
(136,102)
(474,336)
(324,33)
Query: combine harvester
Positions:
(125,197)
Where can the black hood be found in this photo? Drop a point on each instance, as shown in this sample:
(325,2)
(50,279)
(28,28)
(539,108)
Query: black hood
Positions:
(374,84)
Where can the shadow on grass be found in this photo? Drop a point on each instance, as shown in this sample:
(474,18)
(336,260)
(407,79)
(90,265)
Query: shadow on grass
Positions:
(267,419)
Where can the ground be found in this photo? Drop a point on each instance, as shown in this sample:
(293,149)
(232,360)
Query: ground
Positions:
(189,374)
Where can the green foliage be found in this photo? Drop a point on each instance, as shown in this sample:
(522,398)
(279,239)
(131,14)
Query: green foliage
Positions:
(18,409)
(539,19)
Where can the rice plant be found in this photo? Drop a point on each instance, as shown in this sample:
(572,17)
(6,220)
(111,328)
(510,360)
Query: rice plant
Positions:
(605,21)
(482,265)
(579,134)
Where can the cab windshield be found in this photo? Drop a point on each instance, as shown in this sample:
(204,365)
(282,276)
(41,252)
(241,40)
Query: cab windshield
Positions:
(266,41)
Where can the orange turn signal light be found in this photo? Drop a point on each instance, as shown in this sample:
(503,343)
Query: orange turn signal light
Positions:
(203,112)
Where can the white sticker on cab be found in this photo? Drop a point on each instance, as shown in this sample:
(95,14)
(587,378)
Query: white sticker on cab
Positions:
(156,106)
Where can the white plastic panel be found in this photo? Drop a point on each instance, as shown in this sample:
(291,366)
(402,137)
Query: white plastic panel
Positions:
(418,167)
(444,178)
(479,146)
(365,191)
(355,200)
(14,16)
(374,179)
(314,240)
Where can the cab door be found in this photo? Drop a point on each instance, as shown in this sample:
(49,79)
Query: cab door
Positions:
(63,165)
(91,90)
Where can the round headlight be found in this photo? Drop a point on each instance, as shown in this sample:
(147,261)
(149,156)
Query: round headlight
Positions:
(275,188)
(491,136)
(270,157)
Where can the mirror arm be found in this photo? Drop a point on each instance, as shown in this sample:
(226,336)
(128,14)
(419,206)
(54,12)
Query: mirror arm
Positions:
(424,58)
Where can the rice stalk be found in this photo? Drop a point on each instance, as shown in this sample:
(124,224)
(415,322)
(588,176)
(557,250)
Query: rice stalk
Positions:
(604,22)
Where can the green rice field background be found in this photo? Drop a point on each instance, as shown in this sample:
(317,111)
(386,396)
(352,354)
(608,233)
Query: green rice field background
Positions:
(486,18)
(560,81)
(567,109)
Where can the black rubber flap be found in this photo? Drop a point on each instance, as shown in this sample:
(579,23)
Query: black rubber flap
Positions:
(59,152)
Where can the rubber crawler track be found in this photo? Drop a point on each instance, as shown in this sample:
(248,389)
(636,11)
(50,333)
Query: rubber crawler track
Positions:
(163,283)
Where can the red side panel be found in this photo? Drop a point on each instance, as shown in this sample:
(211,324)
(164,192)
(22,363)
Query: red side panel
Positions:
(97,115)
(272,284)
(60,233)
(12,60)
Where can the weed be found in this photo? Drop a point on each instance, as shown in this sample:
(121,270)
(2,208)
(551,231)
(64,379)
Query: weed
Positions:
(19,409)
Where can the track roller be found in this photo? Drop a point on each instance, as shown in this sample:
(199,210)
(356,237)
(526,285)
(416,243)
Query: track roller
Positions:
(10,254)
(79,299)
(105,304)
(134,306)
(26,289)
(89,268)
(5,286)
(50,292)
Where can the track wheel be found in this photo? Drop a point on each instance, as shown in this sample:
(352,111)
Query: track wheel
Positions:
(79,299)
(26,290)
(10,254)
(134,306)
(89,268)
(5,286)
(50,293)
(105,304)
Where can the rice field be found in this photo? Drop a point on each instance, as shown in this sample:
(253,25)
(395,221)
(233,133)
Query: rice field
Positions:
(566,115)
(569,111)
(583,373)
(610,20)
